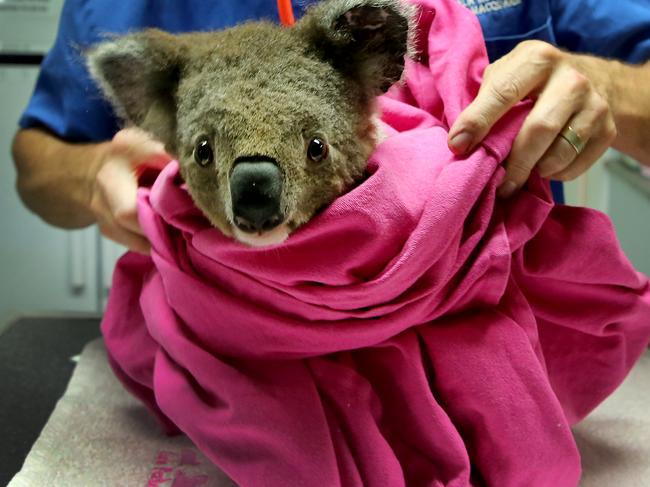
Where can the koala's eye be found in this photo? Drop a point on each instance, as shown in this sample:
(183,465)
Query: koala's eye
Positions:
(317,150)
(203,154)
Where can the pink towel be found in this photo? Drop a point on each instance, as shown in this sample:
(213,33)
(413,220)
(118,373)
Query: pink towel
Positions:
(417,332)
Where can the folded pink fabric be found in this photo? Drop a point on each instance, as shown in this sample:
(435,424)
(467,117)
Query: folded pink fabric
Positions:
(418,331)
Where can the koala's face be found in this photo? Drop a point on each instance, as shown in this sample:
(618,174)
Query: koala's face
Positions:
(264,141)
(269,124)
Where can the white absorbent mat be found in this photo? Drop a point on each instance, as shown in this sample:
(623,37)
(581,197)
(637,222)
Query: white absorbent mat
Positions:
(99,435)
(614,440)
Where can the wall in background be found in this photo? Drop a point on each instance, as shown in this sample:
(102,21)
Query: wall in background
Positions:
(42,269)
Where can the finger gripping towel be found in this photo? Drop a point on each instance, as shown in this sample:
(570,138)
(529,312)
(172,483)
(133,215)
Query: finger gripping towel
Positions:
(417,332)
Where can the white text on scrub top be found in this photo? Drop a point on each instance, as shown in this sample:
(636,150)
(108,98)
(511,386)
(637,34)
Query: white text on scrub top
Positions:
(484,6)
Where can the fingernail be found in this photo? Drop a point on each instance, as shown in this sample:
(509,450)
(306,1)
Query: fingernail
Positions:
(507,189)
(460,143)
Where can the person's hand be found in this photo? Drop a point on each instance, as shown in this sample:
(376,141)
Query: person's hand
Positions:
(113,200)
(567,90)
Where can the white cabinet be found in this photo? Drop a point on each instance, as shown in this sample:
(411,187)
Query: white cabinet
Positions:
(629,209)
(613,186)
(109,252)
(41,268)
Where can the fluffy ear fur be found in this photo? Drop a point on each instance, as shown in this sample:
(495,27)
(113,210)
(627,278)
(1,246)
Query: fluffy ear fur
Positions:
(365,39)
(139,74)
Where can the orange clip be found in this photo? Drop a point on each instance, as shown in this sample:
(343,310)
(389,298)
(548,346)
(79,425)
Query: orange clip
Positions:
(286,13)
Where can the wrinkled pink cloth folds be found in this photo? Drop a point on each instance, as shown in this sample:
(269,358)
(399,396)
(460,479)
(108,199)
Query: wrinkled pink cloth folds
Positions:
(417,332)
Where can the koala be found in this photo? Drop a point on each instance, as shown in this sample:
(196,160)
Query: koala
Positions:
(269,124)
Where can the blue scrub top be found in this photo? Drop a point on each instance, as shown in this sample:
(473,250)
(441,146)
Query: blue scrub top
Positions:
(67,103)
(615,29)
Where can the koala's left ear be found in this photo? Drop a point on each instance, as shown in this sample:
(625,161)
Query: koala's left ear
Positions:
(365,39)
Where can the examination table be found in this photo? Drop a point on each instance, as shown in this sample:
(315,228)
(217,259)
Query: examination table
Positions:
(99,435)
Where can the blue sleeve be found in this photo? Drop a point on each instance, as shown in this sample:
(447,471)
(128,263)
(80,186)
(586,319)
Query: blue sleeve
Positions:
(615,29)
(65,101)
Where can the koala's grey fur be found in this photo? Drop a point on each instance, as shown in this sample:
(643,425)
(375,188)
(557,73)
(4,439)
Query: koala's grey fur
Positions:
(259,89)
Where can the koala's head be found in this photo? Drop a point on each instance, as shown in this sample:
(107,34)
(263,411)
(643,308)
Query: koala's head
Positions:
(269,124)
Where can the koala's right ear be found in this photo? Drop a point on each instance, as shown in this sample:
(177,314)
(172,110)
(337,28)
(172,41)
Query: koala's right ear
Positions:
(139,75)
(366,40)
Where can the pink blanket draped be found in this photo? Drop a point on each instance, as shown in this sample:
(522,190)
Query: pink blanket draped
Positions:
(417,332)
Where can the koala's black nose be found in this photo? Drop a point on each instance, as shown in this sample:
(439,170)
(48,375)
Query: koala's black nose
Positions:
(256,188)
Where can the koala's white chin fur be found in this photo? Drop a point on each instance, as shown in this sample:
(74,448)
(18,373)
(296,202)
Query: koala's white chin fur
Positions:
(274,237)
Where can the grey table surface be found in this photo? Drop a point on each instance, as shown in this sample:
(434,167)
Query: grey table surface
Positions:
(35,367)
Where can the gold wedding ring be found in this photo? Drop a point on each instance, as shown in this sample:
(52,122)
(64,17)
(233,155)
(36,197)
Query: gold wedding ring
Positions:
(574,139)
